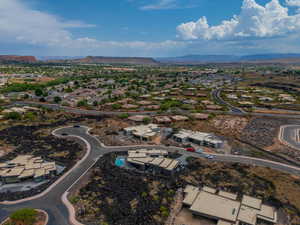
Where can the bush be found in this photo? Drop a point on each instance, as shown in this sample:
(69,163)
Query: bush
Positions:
(147,120)
(124,116)
(30,116)
(57,99)
(116,106)
(82,103)
(13,116)
(24,217)
(38,92)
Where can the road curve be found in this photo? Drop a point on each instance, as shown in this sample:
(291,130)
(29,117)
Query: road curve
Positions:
(54,201)
(216,94)
(290,136)
(51,201)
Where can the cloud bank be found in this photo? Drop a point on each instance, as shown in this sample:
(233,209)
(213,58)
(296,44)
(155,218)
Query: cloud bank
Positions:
(254,21)
(295,3)
(20,24)
(257,29)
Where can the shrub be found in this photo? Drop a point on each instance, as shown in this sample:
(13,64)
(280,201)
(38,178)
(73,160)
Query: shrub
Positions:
(57,99)
(25,216)
(13,116)
(116,106)
(124,116)
(147,120)
(82,103)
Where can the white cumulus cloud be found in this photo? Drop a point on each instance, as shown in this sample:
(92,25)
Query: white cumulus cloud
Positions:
(254,21)
(20,23)
(295,3)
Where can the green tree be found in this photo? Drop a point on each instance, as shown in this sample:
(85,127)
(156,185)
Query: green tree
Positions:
(38,92)
(124,116)
(57,99)
(147,120)
(82,103)
(13,116)
(30,116)
(116,106)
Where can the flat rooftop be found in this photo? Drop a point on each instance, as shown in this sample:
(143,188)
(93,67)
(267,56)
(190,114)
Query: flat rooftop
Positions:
(209,189)
(191,194)
(224,206)
(26,166)
(251,202)
(147,157)
(228,195)
(216,206)
(222,222)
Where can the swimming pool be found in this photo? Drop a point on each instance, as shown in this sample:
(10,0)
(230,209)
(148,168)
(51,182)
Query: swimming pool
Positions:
(120,162)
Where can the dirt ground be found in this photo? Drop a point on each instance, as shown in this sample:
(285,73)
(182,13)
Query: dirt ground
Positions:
(5,149)
(185,217)
(230,124)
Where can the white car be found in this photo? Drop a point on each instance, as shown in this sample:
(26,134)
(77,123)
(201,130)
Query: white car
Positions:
(199,151)
(209,156)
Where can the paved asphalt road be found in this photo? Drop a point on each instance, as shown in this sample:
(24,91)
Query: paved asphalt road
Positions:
(58,213)
(290,135)
(233,110)
(216,94)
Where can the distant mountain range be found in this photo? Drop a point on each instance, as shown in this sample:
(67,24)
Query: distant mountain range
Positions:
(105,60)
(284,58)
(116,60)
(18,59)
(188,59)
(47,58)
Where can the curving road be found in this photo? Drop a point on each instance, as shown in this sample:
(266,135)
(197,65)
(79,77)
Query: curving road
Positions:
(51,199)
(216,94)
(290,136)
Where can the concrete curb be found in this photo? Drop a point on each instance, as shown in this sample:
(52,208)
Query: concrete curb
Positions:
(68,204)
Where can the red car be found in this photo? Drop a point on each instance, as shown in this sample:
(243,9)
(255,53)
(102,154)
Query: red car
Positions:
(190,149)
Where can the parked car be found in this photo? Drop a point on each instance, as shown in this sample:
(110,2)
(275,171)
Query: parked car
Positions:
(199,150)
(191,149)
(209,156)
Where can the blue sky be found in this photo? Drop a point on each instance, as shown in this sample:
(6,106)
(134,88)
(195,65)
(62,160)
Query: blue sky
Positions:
(148,27)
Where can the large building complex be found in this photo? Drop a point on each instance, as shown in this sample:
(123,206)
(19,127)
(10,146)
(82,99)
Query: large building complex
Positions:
(153,160)
(199,138)
(226,209)
(26,167)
